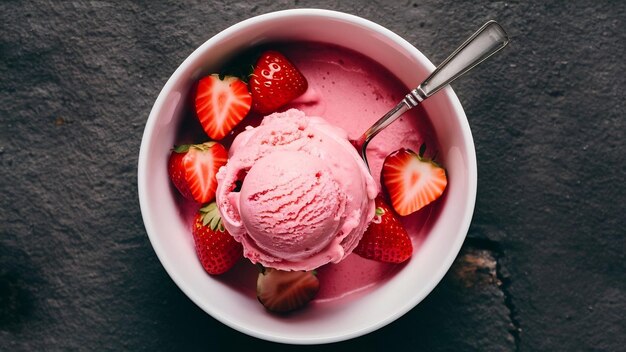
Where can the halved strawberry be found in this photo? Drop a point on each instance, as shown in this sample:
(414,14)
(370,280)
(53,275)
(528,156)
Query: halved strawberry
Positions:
(221,104)
(217,250)
(284,291)
(385,239)
(412,181)
(275,82)
(192,169)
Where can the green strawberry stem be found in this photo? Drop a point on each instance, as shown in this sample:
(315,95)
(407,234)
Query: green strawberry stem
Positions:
(211,216)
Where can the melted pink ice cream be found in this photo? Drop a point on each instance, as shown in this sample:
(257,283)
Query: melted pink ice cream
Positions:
(351,92)
(306,197)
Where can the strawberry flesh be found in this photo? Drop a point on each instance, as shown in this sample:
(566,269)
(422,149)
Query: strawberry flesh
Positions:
(221,104)
(192,169)
(412,182)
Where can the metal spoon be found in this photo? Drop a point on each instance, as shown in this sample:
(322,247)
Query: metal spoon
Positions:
(488,40)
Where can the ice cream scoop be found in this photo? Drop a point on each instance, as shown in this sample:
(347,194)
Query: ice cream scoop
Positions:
(295,192)
(290,203)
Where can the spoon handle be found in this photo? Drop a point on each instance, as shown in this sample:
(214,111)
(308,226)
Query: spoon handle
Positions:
(488,40)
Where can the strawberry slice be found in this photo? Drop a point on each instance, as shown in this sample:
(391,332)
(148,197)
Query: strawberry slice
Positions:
(217,250)
(221,104)
(385,239)
(285,291)
(275,82)
(192,169)
(412,181)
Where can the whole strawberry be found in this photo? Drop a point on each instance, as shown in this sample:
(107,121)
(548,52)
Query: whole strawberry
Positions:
(275,82)
(192,169)
(217,250)
(385,240)
(285,291)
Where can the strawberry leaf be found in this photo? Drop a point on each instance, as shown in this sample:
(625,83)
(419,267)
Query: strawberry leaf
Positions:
(212,217)
(183,148)
(422,150)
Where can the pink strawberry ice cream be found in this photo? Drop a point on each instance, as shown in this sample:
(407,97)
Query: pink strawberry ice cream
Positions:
(346,90)
(295,192)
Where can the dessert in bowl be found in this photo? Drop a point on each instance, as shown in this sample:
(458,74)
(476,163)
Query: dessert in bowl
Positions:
(356,71)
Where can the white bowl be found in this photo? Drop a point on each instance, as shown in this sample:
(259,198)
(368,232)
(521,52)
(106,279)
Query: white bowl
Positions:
(324,323)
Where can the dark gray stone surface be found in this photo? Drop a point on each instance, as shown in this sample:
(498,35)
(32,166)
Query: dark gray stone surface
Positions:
(543,267)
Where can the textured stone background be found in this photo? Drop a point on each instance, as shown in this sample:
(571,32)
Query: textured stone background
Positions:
(542,269)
